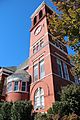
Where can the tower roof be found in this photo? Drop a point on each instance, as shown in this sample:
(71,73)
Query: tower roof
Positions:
(40,6)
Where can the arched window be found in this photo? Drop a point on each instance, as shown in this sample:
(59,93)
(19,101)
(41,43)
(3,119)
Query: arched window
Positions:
(40,14)
(35,20)
(39,99)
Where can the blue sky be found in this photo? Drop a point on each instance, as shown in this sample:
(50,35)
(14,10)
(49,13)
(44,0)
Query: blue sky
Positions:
(14,30)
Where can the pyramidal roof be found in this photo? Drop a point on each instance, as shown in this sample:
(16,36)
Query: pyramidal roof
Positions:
(40,6)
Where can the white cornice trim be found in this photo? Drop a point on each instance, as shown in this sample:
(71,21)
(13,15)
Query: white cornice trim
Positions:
(2,73)
(60,59)
(58,48)
(58,40)
(53,78)
(60,56)
(39,40)
(5,70)
(39,60)
(38,57)
(37,10)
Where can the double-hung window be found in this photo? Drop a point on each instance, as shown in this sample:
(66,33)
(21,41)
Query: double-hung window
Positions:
(39,99)
(66,74)
(9,87)
(42,70)
(16,87)
(38,46)
(35,72)
(60,71)
(23,86)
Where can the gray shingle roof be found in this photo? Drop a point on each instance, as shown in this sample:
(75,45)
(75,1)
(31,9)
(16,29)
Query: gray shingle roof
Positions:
(23,65)
(19,74)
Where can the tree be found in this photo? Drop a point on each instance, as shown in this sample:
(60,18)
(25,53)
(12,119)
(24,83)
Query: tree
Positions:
(67,23)
(69,101)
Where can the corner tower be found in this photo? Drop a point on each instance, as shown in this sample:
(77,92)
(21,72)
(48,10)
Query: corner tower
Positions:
(40,61)
(48,63)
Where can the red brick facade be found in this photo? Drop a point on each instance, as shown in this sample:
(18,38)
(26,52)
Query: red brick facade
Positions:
(52,82)
(48,66)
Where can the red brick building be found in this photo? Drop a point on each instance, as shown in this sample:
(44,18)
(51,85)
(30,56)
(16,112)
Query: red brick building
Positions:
(47,70)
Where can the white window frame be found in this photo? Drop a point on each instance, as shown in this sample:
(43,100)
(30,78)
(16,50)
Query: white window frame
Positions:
(9,87)
(38,46)
(39,99)
(24,86)
(15,86)
(66,73)
(42,74)
(59,62)
(35,72)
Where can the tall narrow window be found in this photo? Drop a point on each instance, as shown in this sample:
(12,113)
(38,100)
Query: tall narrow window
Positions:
(9,87)
(41,43)
(38,46)
(34,49)
(40,14)
(60,72)
(16,88)
(35,20)
(39,99)
(23,86)
(66,71)
(35,72)
(42,70)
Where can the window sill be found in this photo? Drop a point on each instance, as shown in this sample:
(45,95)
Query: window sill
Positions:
(40,108)
(62,77)
(38,80)
(17,92)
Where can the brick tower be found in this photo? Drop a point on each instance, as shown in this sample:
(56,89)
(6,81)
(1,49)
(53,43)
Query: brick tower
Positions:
(49,65)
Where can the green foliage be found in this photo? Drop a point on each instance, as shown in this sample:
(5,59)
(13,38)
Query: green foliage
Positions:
(69,101)
(41,116)
(70,117)
(5,111)
(1,103)
(21,110)
(56,108)
(70,97)
(68,108)
(67,23)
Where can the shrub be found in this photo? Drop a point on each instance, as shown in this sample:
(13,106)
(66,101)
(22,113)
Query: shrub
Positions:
(5,111)
(21,110)
(69,101)
(55,108)
(41,116)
